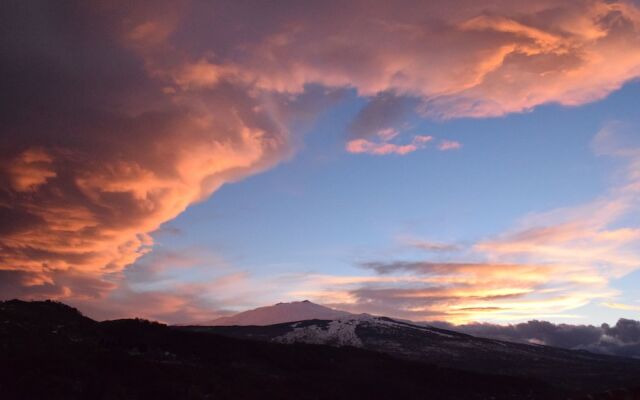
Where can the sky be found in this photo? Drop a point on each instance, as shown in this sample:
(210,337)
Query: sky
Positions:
(471,161)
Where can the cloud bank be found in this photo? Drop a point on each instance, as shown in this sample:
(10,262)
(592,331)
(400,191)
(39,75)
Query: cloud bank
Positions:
(621,339)
(97,152)
(123,115)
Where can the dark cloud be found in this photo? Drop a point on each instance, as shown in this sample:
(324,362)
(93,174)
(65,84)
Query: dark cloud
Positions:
(166,230)
(463,291)
(622,339)
(625,330)
(426,301)
(434,246)
(386,110)
(426,267)
(52,284)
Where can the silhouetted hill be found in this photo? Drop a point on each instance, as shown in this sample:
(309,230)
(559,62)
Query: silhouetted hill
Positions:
(49,350)
(569,369)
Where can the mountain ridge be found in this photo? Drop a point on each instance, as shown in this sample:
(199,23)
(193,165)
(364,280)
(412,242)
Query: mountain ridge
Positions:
(280,313)
(136,359)
(444,348)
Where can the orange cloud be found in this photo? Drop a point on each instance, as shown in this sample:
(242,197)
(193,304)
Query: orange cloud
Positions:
(30,169)
(383,147)
(487,60)
(101,154)
(458,292)
(133,113)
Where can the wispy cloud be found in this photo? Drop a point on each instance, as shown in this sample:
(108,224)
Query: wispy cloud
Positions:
(589,236)
(622,306)
(446,145)
(383,146)
(431,246)
(549,265)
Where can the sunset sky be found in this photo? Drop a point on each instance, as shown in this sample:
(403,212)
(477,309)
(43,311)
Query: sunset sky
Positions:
(459,161)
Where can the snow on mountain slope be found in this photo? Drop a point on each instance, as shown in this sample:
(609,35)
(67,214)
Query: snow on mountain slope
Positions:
(305,322)
(342,331)
(338,332)
(281,313)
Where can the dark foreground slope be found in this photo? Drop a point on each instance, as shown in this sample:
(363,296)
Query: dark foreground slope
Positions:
(578,371)
(49,350)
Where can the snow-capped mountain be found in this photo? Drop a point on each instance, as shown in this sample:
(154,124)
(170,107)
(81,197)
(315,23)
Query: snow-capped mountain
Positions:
(134,358)
(280,313)
(314,324)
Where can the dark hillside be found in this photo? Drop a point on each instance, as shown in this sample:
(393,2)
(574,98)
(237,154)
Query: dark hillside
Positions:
(49,350)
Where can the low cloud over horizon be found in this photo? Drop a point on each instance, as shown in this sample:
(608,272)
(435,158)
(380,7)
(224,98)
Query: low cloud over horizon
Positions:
(621,339)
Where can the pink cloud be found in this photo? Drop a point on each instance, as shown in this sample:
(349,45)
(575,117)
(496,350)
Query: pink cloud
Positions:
(365,146)
(382,147)
(387,134)
(446,145)
(152,115)
(488,60)
(116,154)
